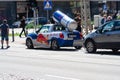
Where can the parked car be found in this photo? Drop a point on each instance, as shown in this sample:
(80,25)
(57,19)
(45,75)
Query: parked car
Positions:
(16,24)
(54,36)
(106,36)
(40,20)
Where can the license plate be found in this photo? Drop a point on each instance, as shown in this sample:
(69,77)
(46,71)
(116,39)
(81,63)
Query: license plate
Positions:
(71,36)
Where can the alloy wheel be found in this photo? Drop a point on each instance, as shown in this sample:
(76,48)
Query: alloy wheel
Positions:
(90,47)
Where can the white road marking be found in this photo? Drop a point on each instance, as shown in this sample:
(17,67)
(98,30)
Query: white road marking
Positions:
(67,78)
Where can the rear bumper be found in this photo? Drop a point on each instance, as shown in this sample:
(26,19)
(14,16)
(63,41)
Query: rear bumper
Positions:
(70,43)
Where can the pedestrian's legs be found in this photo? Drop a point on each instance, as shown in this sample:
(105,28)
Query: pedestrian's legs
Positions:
(2,41)
(21,32)
(7,42)
(24,33)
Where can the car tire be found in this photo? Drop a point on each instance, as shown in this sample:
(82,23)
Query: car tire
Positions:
(115,50)
(78,47)
(54,45)
(29,44)
(90,46)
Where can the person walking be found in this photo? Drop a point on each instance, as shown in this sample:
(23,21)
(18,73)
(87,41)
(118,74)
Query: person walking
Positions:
(4,27)
(22,25)
(78,20)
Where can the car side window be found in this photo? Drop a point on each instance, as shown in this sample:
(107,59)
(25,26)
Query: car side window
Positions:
(117,25)
(108,27)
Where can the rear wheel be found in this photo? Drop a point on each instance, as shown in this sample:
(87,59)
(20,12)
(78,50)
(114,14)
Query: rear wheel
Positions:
(29,44)
(90,46)
(54,45)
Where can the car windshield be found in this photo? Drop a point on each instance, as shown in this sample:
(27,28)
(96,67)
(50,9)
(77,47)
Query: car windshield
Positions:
(44,29)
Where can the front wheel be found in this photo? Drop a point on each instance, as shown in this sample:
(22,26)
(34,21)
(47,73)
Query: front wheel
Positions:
(29,44)
(54,45)
(90,46)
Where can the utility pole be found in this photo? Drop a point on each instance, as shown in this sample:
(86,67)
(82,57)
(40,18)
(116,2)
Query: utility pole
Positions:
(34,7)
(85,15)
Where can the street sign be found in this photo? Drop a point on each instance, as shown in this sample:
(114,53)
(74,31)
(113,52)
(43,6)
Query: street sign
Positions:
(47,4)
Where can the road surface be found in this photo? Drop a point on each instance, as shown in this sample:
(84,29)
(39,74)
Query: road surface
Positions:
(20,63)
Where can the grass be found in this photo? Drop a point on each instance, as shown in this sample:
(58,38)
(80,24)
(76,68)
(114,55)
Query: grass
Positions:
(16,34)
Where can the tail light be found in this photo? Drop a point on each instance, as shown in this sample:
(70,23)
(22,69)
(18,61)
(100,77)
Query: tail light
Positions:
(81,36)
(61,35)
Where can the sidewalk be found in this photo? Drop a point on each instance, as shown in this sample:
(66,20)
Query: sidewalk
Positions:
(18,30)
(17,39)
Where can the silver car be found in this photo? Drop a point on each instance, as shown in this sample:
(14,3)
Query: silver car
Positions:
(106,36)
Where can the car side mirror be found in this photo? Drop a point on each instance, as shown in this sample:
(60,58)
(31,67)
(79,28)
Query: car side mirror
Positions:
(98,31)
(37,31)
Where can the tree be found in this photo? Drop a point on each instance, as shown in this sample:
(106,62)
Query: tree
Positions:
(33,3)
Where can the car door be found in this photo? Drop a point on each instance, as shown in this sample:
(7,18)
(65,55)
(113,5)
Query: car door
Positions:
(104,38)
(42,37)
(115,35)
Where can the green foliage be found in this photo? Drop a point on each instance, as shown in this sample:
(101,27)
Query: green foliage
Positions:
(118,17)
(16,34)
(92,22)
(32,25)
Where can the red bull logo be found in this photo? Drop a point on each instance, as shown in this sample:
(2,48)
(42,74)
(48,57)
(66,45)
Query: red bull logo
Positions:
(42,39)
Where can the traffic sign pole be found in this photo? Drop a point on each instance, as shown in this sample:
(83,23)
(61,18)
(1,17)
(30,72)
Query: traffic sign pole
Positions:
(47,7)
(47,16)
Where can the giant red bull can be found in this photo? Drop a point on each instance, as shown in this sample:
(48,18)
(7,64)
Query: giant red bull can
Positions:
(63,19)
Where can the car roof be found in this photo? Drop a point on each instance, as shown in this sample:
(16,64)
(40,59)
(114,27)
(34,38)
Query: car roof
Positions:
(114,20)
(52,24)
(48,25)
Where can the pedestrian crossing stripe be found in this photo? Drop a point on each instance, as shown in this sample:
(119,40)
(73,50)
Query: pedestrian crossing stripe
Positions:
(47,5)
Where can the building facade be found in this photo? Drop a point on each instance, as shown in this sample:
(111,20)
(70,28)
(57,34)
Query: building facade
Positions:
(108,6)
(7,11)
(15,9)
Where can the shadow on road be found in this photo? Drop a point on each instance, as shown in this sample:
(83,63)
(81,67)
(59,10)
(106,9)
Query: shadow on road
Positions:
(61,49)
(107,53)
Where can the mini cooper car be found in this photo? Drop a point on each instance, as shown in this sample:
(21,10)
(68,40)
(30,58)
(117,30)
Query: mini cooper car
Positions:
(54,36)
(107,36)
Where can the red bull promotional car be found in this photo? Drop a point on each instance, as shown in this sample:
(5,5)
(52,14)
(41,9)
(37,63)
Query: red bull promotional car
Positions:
(54,36)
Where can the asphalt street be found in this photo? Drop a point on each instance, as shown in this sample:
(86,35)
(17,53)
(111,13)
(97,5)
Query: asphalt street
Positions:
(20,63)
